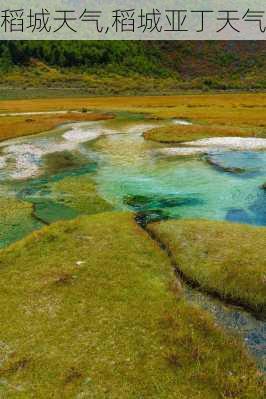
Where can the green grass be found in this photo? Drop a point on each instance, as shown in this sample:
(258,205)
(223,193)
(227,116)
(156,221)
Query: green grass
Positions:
(223,258)
(90,309)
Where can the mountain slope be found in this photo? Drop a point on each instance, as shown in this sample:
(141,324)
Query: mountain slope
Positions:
(92,64)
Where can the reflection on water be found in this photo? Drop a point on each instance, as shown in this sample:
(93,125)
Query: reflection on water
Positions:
(133,175)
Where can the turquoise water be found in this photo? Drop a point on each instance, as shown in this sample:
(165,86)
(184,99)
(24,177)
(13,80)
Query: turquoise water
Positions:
(132,174)
(134,169)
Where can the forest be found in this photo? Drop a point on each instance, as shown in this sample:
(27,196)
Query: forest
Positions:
(111,67)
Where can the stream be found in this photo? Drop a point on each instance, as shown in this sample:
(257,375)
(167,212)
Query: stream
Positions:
(144,177)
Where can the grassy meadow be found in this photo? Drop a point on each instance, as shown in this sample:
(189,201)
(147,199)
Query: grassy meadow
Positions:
(99,314)
(241,108)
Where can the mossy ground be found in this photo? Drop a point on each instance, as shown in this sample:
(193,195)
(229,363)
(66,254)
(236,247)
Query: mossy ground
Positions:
(224,258)
(90,309)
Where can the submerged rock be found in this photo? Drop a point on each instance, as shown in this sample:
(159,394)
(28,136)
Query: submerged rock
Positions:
(145,203)
(48,211)
(258,208)
(242,163)
(254,214)
(64,160)
(229,169)
(239,216)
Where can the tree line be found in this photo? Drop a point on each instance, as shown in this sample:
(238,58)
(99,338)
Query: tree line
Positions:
(126,55)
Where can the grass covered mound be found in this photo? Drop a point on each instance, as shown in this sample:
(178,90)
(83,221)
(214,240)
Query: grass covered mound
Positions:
(87,312)
(179,134)
(15,220)
(223,258)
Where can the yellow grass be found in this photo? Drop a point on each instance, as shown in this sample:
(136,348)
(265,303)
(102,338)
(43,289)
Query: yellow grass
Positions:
(229,109)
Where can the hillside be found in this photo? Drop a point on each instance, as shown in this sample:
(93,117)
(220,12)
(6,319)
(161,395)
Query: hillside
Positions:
(112,67)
